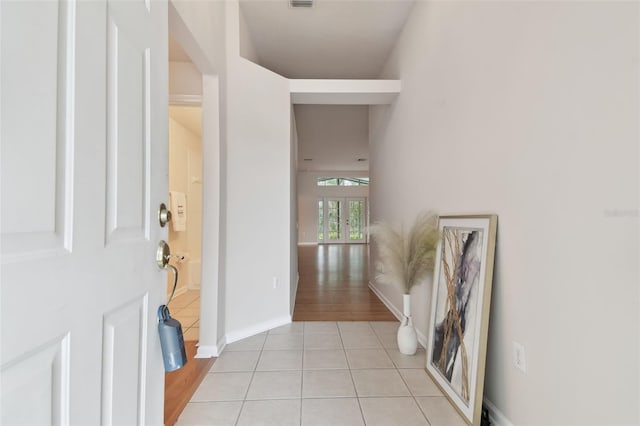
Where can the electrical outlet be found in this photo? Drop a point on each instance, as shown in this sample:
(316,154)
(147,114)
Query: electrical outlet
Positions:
(519,357)
(275,282)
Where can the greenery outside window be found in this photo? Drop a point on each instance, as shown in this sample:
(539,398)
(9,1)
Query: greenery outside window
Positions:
(343,181)
(320,220)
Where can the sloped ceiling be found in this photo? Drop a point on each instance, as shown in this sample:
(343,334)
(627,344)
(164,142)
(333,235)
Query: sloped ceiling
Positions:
(333,39)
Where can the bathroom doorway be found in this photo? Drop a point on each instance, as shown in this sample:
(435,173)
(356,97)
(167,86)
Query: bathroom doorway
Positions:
(185,203)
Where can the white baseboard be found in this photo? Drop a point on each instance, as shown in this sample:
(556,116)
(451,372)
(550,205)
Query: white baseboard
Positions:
(222,343)
(496,416)
(211,351)
(307,244)
(395,311)
(234,336)
(422,339)
(292,306)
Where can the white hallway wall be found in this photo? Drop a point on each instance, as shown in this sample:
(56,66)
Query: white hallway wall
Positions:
(333,136)
(530,111)
(258,193)
(254,175)
(293,215)
(185,79)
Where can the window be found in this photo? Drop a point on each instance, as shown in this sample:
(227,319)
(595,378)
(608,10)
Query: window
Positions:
(343,181)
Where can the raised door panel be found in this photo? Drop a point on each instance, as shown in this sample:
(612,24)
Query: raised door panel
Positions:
(35,387)
(37,52)
(128,136)
(36,132)
(123,364)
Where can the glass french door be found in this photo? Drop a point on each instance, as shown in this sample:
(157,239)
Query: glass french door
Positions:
(342,220)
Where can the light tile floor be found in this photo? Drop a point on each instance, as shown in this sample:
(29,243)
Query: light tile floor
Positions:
(186,309)
(319,374)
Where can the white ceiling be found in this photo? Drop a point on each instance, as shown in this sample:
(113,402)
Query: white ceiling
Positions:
(334,39)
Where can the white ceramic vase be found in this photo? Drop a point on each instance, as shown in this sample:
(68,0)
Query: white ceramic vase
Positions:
(407,338)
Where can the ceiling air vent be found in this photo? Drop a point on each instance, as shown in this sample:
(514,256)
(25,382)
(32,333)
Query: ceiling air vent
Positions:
(300,3)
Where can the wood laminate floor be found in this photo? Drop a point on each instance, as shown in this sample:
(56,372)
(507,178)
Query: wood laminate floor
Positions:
(180,385)
(334,285)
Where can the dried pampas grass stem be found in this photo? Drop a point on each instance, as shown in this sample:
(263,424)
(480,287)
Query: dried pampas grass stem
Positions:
(406,258)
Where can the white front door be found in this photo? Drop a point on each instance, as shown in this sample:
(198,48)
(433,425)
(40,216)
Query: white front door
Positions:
(84,153)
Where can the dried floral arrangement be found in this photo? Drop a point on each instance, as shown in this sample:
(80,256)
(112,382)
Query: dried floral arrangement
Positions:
(406,257)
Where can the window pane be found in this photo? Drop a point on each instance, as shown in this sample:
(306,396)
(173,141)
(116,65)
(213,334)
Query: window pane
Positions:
(320,221)
(343,181)
(356,227)
(334,212)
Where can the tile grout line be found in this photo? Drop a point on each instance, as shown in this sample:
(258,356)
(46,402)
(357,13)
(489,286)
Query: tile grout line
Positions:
(414,396)
(353,382)
(253,374)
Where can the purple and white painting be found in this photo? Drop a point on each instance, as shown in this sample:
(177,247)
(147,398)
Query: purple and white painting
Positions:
(460,302)
(457,302)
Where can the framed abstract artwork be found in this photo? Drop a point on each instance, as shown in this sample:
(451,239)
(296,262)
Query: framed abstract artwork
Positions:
(457,341)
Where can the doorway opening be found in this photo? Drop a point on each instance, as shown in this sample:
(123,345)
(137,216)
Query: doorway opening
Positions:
(185,240)
(193,141)
(185,203)
(342,220)
(185,186)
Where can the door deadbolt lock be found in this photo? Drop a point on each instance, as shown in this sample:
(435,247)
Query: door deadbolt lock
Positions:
(163,254)
(164,215)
